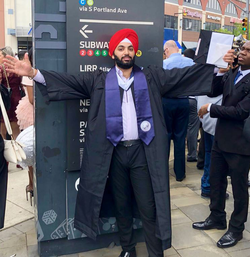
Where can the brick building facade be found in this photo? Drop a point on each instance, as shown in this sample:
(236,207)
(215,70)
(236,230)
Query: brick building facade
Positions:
(200,14)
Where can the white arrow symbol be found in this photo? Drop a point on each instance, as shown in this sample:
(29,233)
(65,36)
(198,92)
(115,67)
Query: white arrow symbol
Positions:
(83,31)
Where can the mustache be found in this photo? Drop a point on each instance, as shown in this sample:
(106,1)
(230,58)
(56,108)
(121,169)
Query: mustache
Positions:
(126,56)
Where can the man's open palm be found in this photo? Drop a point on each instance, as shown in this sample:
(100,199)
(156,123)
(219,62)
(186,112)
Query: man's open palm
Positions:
(21,68)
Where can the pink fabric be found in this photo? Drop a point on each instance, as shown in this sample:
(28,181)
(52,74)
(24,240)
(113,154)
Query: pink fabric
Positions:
(24,113)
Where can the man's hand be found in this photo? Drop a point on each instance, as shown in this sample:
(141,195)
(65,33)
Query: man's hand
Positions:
(229,57)
(21,68)
(203,110)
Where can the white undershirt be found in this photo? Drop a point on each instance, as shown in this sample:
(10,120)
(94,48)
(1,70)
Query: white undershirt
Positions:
(129,118)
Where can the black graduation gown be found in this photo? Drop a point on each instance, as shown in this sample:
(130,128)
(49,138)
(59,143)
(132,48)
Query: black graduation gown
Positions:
(194,80)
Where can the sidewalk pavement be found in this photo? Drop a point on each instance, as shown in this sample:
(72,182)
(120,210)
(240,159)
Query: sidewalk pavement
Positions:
(18,238)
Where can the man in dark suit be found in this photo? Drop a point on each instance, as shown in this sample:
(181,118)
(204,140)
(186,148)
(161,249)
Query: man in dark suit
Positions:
(231,151)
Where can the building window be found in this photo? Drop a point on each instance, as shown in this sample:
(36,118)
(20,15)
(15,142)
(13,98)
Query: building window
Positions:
(170,22)
(191,25)
(231,10)
(213,5)
(24,43)
(212,26)
(229,28)
(10,11)
(195,2)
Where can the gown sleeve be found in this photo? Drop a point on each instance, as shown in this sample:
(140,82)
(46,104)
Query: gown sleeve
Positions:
(64,86)
(193,80)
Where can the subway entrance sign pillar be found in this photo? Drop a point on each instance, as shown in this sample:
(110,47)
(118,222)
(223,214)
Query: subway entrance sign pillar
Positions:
(73,36)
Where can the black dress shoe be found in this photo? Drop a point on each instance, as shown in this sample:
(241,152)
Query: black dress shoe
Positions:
(229,239)
(181,179)
(209,224)
(128,254)
(191,160)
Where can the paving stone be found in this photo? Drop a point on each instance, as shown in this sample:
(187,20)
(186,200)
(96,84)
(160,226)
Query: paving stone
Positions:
(181,192)
(175,184)
(96,253)
(6,234)
(215,234)
(15,245)
(178,217)
(193,171)
(31,237)
(19,240)
(184,236)
(173,207)
(33,251)
(26,226)
(196,212)
(241,245)
(204,251)
(170,252)
(191,165)
(188,201)
(141,250)
(15,214)
(240,253)
(102,252)
(17,183)
(20,251)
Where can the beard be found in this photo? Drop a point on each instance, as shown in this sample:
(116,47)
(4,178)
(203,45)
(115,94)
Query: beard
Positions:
(124,65)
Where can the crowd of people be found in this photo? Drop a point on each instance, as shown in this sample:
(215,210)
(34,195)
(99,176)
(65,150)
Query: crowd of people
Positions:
(144,109)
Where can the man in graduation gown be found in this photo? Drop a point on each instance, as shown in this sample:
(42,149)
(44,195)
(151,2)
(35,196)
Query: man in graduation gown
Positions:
(126,139)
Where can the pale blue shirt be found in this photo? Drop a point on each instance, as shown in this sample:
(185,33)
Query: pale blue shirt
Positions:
(176,60)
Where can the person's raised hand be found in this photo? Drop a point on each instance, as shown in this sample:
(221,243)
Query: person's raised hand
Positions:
(21,68)
(229,57)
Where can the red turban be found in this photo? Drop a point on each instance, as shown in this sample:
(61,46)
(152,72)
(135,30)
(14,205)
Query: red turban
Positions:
(119,36)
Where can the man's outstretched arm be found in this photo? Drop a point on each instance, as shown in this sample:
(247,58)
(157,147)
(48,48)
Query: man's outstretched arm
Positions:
(59,86)
(193,80)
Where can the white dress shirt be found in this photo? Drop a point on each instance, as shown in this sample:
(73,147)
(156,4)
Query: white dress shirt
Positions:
(129,117)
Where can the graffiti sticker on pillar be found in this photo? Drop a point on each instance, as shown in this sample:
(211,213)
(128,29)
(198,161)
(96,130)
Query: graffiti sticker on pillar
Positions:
(49,217)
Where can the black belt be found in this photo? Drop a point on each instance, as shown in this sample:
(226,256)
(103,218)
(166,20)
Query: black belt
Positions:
(129,143)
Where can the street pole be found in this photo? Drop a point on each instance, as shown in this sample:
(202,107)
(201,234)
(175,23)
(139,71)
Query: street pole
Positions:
(177,24)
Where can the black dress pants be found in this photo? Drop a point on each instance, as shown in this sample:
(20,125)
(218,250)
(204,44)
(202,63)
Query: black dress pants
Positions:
(129,173)
(3,183)
(236,166)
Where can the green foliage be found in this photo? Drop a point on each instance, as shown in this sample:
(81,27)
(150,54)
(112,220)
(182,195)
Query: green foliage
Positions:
(224,31)
(238,29)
